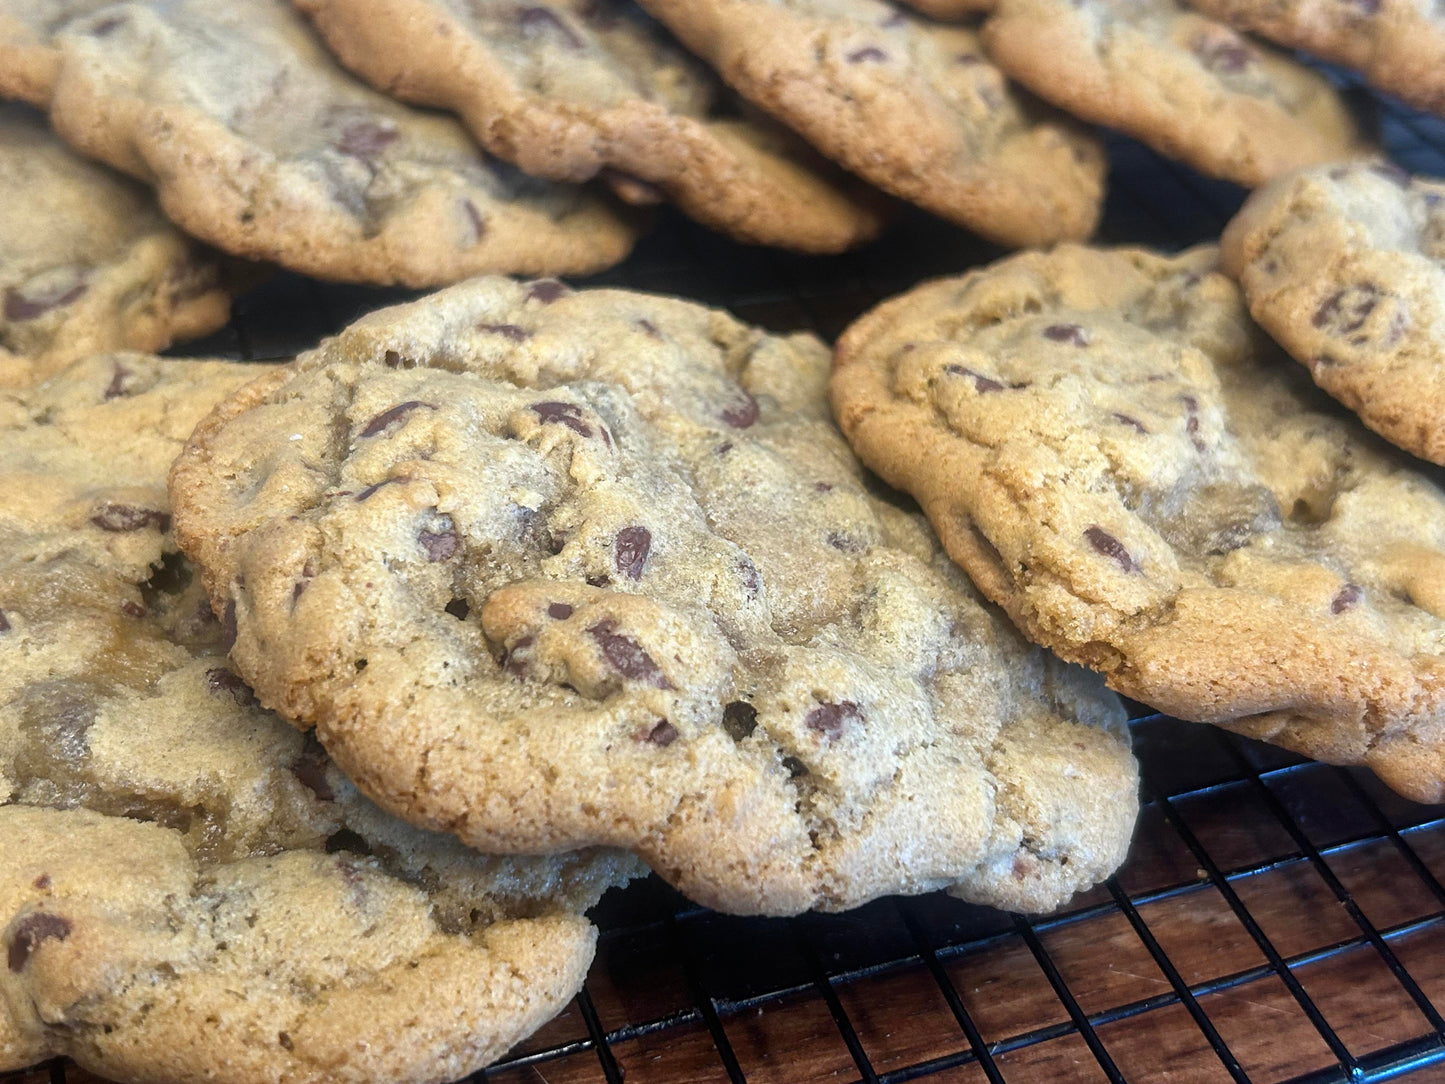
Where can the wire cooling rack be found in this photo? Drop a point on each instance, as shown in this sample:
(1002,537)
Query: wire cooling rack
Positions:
(1277,919)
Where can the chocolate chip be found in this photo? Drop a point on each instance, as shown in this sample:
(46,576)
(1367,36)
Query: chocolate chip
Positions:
(1067,333)
(371,490)
(742,415)
(29,302)
(439,545)
(795,767)
(475,220)
(507,331)
(42,882)
(458,608)
(981,383)
(846,543)
(515,658)
(1132,423)
(752,581)
(663,734)
(829,719)
(108,26)
(723,448)
(739,719)
(823,487)
(1346,598)
(386,417)
(1191,422)
(30,932)
(4,622)
(366,139)
(116,388)
(310,769)
(546,291)
(630,550)
(121,518)
(1106,544)
(284,1040)
(648,327)
(228,625)
(568,414)
(1345,311)
(867,52)
(538,18)
(600,580)
(392,360)
(133,609)
(559,611)
(1219,53)
(626,655)
(220,680)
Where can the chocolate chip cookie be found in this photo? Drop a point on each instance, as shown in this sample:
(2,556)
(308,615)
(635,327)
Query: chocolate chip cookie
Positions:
(911,105)
(257,141)
(190,889)
(87,262)
(551,569)
(1187,85)
(574,89)
(1345,267)
(1127,465)
(1399,45)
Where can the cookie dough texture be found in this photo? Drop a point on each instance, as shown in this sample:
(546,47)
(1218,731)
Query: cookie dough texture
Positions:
(87,262)
(551,569)
(1345,267)
(1185,84)
(189,889)
(259,143)
(1122,461)
(911,105)
(573,89)
(1399,45)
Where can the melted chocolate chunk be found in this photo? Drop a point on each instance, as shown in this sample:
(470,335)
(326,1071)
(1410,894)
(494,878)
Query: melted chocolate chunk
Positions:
(366,139)
(983,384)
(547,291)
(739,719)
(662,734)
(568,414)
(829,719)
(458,608)
(116,388)
(1107,545)
(1067,333)
(30,932)
(42,882)
(742,415)
(630,550)
(1132,423)
(1345,311)
(122,518)
(22,304)
(795,767)
(507,331)
(626,655)
(439,545)
(600,580)
(1346,598)
(533,19)
(220,680)
(310,769)
(559,611)
(386,417)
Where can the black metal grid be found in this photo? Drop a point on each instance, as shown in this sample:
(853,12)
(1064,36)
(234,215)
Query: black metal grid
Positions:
(1206,791)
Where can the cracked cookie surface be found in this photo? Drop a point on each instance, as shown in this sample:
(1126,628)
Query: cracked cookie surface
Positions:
(1345,267)
(1186,84)
(87,262)
(1399,45)
(258,142)
(911,105)
(1126,464)
(573,89)
(190,889)
(549,569)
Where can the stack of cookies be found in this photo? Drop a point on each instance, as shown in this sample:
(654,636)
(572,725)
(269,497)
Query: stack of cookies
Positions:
(333,694)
